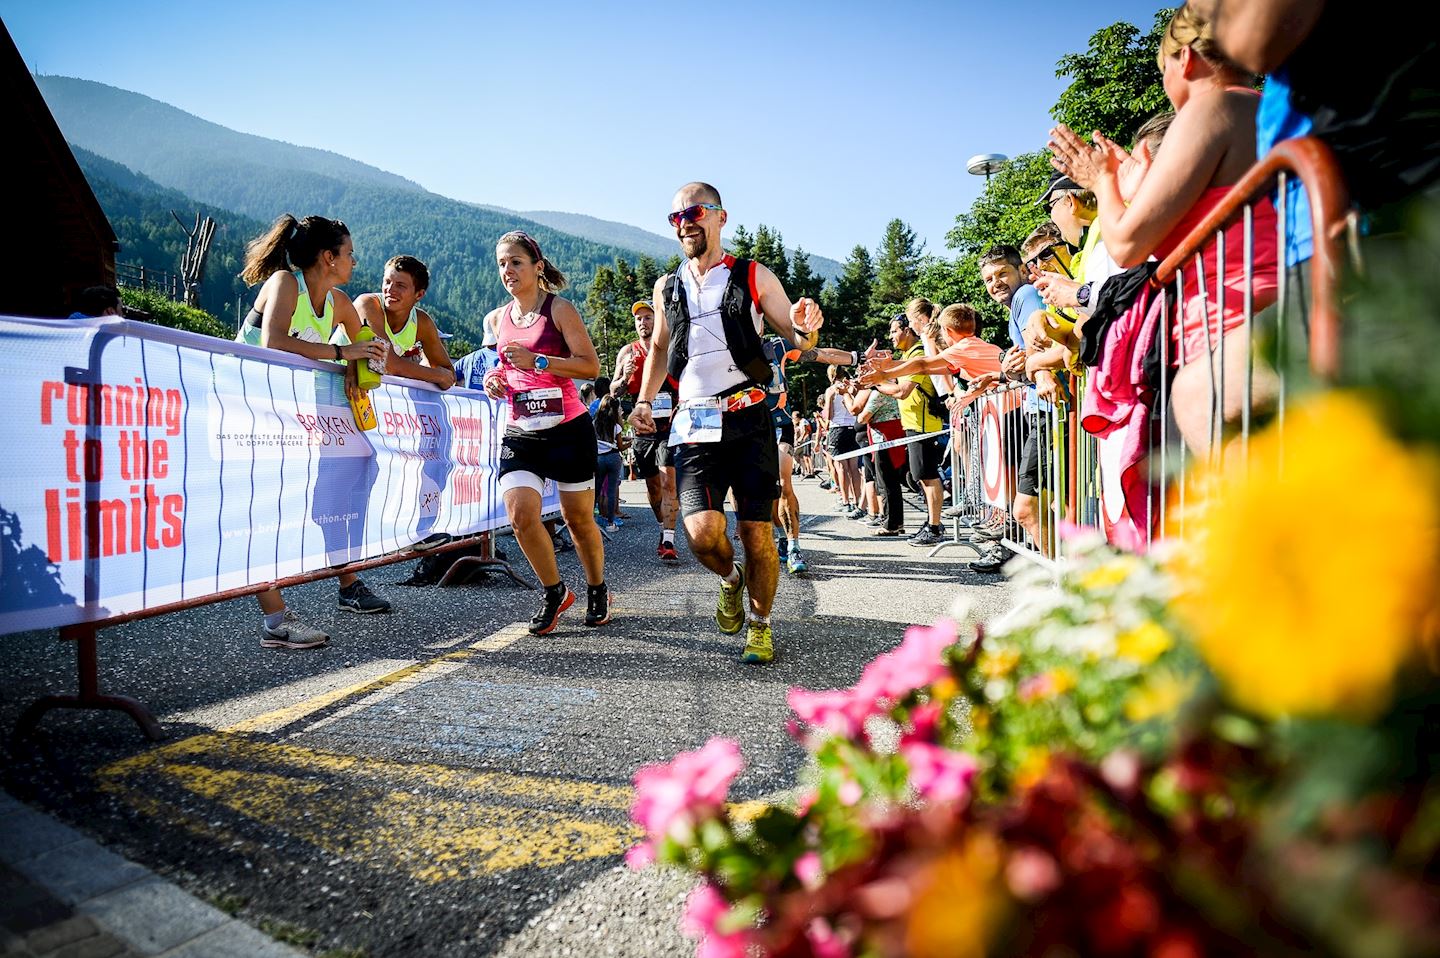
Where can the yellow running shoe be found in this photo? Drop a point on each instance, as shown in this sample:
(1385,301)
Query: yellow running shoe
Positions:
(730,611)
(759,644)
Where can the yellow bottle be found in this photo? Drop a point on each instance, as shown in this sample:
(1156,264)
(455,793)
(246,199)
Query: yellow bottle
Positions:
(364,411)
(368,377)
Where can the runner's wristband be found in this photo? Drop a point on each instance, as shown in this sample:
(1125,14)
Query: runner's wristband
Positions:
(642,402)
(337,351)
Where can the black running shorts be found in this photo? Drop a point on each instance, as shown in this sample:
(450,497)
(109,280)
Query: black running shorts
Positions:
(924,457)
(840,440)
(564,453)
(745,461)
(652,454)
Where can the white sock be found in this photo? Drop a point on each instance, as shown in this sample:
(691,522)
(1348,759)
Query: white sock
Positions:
(734,577)
(762,619)
(667,536)
(794,546)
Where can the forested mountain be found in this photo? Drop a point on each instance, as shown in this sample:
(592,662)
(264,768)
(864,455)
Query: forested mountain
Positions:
(139,211)
(162,159)
(168,145)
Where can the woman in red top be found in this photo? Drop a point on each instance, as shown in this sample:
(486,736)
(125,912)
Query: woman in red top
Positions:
(1208,148)
(544,347)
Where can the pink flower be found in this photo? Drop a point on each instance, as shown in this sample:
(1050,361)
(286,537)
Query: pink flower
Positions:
(850,792)
(840,711)
(1031,874)
(924,723)
(808,869)
(823,941)
(1035,687)
(641,856)
(670,798)
(705,908)
(915,663)
(938,774)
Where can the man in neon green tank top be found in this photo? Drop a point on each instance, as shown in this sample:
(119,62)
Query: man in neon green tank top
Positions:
(417,351)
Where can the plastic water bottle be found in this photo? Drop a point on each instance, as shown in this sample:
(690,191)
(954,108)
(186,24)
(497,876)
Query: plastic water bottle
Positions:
(366,373)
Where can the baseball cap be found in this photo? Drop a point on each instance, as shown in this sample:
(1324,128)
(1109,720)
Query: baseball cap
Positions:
(639,305)
(1059,183)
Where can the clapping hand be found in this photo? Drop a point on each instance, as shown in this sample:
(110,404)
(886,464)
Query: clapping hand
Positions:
(1082,162)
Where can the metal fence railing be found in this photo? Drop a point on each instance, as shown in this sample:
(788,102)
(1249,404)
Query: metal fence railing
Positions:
(1228,318)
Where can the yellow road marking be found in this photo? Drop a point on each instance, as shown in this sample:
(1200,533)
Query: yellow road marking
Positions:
(434,822)
(279,718)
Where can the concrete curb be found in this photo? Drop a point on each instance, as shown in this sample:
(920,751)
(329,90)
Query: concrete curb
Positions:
(67,897)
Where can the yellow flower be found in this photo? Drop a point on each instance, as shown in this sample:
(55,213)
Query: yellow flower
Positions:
(1144,644)
(961,903)
(1062,680)
(1108,575)
(1161,695)
(1291,620)
(998,663)
(1031,768)
(945,689)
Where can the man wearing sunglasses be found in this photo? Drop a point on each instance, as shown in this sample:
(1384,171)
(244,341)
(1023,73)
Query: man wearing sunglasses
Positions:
(707,342)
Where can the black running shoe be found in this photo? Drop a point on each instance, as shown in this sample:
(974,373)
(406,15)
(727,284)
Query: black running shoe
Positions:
(557,600)
(597,608)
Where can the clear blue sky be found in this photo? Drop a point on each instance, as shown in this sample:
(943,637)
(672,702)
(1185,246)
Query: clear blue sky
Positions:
(824,120)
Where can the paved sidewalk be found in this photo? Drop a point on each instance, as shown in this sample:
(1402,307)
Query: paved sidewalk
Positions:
(63,896)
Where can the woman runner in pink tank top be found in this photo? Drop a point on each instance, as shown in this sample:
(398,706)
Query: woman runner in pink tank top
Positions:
(544,347)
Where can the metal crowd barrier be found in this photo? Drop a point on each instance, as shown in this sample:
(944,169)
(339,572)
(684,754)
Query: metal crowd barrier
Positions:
(1285,314)
(84,634)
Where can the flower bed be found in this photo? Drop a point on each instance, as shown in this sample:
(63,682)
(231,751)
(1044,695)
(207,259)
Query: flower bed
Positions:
(1226,746)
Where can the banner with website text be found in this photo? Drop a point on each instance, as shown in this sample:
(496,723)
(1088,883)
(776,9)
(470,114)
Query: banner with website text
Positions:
(148,465)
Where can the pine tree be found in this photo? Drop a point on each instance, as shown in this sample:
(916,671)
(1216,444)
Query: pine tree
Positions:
(769,250)
(845,313)
(741,245)
(803,282)
(897,266)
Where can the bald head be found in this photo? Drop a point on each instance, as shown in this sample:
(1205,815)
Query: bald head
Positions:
(698,192)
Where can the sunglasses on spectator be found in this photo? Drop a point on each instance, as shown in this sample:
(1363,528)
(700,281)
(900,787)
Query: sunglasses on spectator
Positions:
(1050,252)
(692,214)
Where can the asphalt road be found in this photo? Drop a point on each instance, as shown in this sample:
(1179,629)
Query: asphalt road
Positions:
(437,781)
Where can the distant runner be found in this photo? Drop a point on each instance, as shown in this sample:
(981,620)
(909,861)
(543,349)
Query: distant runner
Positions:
(652,451)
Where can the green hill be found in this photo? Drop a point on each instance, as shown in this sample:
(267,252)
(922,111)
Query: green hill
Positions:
(160,156)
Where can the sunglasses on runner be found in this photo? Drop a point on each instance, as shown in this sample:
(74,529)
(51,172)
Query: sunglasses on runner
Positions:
(692,214)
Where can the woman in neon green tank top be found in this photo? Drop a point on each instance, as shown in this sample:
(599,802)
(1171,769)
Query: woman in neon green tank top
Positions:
(296,312)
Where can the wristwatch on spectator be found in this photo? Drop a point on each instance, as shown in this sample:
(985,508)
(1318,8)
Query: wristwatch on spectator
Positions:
(1082,295)
(542,363)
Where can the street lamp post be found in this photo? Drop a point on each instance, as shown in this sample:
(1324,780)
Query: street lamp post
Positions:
(984,164)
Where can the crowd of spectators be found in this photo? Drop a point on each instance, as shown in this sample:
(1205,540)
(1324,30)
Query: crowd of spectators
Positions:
(1090,331)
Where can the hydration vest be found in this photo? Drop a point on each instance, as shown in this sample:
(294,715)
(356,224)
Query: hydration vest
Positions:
(746,349)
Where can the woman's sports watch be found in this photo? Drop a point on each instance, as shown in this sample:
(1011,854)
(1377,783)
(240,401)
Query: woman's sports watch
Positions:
(542,363)
(1082,295)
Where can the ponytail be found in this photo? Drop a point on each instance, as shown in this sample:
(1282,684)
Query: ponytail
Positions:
(265,254)
(291,244)
(551,279)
